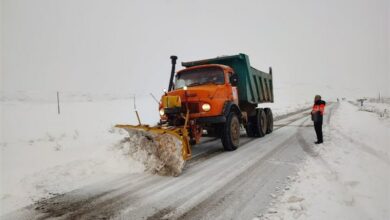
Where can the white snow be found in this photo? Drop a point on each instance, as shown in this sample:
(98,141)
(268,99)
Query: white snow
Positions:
(159,153)
(381,107)
(349,179)
(44,153)
(285,106)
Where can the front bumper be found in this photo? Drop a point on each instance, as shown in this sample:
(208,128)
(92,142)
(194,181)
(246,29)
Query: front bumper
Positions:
(211,120)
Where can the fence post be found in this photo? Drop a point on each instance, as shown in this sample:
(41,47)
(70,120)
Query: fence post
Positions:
(58,102)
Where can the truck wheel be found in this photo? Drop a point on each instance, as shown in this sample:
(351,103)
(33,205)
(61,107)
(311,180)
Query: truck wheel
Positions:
(261,122)
(270,120)
(250,127)
(257,126)
(231,132)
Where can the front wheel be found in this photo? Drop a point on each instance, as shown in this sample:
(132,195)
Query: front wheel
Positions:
(231,132)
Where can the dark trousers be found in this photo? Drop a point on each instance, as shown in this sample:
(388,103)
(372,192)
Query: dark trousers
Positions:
(318,129)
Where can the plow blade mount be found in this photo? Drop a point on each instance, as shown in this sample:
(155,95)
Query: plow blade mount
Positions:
(162,150)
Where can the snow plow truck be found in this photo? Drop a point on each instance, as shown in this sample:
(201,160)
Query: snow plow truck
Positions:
(214,97)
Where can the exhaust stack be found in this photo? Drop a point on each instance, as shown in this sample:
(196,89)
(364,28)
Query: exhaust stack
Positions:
(173,61)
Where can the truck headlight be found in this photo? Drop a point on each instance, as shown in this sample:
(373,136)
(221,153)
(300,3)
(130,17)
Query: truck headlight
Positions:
(162,112)
(206,107)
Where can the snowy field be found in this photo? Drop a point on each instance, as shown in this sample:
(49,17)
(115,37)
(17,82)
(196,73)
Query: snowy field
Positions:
(347,177)
(44,153)
(381,107)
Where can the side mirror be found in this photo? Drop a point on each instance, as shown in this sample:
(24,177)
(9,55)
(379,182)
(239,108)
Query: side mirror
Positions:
(234,79)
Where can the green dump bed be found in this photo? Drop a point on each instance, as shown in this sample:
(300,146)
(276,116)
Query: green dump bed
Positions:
(254,86)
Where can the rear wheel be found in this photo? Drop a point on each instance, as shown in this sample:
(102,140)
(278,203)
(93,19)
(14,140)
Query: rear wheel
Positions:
(270,120)
(262,122)
(257,125)
(231,132)
(251,127)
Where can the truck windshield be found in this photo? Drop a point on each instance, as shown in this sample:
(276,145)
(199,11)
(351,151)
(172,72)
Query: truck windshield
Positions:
(194,77)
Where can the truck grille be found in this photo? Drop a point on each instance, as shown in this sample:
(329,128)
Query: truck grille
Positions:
(192,106)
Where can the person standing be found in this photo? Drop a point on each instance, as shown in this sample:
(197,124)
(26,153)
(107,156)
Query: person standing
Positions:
(317,116)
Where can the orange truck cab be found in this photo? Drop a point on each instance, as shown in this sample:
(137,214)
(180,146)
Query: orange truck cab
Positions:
(219,96)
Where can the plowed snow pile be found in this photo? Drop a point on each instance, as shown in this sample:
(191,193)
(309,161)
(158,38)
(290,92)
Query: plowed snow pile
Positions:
(159,153)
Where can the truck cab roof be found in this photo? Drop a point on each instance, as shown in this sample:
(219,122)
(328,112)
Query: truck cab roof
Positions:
(223,67)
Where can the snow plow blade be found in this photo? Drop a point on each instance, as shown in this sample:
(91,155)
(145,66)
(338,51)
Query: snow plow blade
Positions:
(162,150)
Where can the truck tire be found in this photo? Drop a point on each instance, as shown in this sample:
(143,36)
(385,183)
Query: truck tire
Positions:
(251,126)
(231,132)
(270,120)
(257,125)
(261,122)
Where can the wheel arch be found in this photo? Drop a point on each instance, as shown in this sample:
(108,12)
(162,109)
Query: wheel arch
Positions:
(231,106)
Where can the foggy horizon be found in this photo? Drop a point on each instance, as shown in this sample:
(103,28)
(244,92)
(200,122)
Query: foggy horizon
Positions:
(333,48)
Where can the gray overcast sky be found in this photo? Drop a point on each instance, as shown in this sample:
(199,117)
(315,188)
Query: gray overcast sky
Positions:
(334,47)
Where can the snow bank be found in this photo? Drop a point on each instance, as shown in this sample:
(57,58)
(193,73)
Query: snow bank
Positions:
(43,153)
(282,108)
(380,107)
(349,178)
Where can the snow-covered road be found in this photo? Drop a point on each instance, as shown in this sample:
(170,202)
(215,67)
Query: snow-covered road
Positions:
(214,185)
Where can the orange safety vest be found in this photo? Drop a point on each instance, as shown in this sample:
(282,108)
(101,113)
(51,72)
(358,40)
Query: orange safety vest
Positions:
(319,107)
